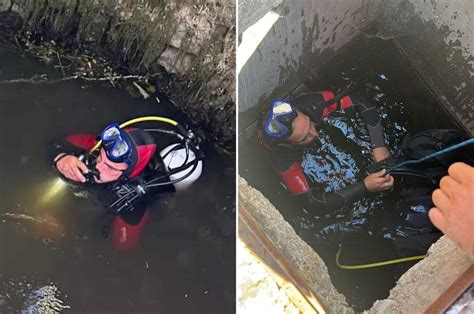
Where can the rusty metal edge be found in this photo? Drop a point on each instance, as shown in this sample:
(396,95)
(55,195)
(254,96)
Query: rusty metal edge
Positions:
(453,292)
(256,239)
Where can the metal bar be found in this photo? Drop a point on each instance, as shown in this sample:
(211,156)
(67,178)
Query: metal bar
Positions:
(453,292)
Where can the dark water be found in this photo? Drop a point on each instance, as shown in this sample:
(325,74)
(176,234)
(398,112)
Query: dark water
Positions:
(386,79)
(185,262)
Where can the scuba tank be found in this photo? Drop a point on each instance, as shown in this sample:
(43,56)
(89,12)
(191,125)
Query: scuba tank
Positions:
(181,166)
(175,156)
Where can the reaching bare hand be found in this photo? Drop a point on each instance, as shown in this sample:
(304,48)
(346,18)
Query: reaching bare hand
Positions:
(378,181)
(454,211)
(72,168)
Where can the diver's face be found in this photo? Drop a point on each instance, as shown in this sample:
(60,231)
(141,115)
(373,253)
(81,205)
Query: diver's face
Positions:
(109,170)
(304,131)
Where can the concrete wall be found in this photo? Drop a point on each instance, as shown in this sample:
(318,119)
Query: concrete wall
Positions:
(438,39)
(306,34)
(436,36)
(250,11)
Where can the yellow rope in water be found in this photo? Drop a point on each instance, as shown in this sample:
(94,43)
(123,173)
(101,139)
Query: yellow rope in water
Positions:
(136,120)
(377,264)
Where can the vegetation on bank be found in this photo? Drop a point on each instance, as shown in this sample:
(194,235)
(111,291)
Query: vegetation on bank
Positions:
(185,49)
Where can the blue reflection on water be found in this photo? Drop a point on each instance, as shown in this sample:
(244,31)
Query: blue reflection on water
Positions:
(330,166)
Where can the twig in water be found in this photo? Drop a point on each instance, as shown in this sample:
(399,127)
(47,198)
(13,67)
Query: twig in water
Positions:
(60,64)
(141,90)
(41,79)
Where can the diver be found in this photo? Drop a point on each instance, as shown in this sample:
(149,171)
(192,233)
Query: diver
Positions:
(288,129)
(330,181)
(129,171)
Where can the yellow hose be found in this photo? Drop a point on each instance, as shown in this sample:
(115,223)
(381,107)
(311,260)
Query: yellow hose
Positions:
(149,118)
(136,120)
(377,264)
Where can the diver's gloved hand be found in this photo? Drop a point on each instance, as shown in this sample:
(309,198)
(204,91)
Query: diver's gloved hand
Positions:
(386,164)
(71,167)
(125,195)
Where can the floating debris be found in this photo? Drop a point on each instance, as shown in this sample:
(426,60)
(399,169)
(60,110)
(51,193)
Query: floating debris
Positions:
(24,295)
(141,90)
(44,300)
(81,194)
(23,217)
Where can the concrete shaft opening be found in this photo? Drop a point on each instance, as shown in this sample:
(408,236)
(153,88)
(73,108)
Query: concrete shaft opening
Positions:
(415,55)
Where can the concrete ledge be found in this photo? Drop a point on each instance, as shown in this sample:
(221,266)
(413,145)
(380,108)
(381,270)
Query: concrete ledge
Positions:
(415,291)
(420,286)
(306,264)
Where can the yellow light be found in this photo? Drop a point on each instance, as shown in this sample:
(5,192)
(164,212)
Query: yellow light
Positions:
(56,186)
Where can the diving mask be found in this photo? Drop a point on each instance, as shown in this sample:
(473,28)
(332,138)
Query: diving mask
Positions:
(116,145)
(279,123)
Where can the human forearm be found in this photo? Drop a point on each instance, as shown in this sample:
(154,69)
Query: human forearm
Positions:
(329,201)
(374,125)
(61,148)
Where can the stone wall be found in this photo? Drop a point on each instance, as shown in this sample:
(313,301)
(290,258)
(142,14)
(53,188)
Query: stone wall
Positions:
(193,41)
